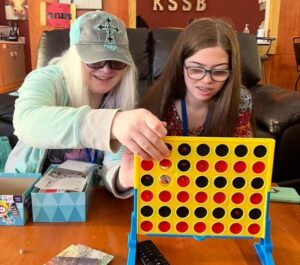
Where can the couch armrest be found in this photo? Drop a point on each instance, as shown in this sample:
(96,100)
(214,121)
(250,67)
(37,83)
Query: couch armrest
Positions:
(275,108)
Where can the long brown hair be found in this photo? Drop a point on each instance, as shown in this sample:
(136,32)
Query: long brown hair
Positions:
(224,107)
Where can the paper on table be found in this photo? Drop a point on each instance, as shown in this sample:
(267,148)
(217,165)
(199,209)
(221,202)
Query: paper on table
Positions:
(83,251)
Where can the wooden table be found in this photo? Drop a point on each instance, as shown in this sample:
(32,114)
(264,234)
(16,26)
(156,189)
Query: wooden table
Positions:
(107,227)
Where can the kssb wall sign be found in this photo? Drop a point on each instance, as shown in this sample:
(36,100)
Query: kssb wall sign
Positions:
(184,5)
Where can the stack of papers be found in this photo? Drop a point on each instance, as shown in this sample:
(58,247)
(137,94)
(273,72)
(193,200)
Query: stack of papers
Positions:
(69,176)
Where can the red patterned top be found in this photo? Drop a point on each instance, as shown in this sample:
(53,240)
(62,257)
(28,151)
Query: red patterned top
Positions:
(243,128)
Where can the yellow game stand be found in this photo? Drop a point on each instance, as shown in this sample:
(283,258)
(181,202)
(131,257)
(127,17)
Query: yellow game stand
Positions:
(208,187)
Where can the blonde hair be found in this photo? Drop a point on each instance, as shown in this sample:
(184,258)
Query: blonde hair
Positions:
(122,96)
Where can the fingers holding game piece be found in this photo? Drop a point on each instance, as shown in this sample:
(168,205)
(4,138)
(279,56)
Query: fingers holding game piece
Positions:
(141,132)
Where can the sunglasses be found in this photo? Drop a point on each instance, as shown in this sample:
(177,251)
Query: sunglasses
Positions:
(116,65)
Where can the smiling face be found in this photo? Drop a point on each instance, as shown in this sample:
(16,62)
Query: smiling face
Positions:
(213,58)
(103,80)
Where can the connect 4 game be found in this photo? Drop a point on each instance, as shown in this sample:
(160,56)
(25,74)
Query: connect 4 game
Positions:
(207,187)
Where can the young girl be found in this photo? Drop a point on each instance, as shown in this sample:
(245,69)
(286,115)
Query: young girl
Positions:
(199,92)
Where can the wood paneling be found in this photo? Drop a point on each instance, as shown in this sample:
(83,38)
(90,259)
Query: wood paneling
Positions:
(281,68)
(35,28)
(118,8)
(239,12)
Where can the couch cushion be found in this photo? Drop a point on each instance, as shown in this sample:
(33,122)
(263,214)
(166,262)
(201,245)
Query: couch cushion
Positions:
(52,44)
(250,61)
(7,106)
(275,108)
(139,48)
(162,40)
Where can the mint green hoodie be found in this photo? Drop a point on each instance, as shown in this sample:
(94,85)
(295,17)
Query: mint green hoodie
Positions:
(43,120)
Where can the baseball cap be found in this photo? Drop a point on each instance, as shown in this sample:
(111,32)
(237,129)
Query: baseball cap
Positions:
(100,36)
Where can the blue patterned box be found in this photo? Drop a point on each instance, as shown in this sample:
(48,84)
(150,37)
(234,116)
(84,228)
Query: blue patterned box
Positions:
(61,206)
(15,200)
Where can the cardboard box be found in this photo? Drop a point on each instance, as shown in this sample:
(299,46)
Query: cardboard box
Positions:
(61,206)
(15,200)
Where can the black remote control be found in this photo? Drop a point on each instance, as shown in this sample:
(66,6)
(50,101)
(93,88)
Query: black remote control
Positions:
(149,254)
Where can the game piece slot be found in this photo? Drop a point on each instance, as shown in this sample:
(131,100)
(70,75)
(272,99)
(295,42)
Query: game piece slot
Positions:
(165,196)
(165,180)
(184,149)
(241,150)
(164,226)
(201,181)
(237,198)
(182,227)
(239,167)
(218,213)
(219,197)
(254,229)
(147,165)
(218,228)
(169,146)
(257,183)
(260,151)
(236,228)
(146,226)
(239,182)
(237,213)
(164,211)
(183,196)
(200,212)
(202,166)
(258,167)
(203,150)
(183,181)
(220,182)
(183,165)
(200,227)
(256,198)
(182,212)
(146,211)
(201,197)
(165,164)
(147,180)
(221,166)
(147,195)
(222,150)
(255,214)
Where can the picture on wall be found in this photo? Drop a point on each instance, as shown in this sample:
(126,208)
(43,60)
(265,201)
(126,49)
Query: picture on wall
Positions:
(84,4)
(57,15)
(16,9)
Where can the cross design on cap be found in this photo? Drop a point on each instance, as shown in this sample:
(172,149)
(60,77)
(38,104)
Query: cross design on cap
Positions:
(110,29)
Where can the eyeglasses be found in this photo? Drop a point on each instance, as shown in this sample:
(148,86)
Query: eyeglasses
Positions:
(198,73)
(116,65)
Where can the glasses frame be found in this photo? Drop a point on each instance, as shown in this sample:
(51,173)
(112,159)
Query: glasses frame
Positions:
(112,65)
(210,71)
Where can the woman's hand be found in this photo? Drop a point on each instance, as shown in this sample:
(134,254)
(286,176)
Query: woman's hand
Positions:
(125,178)
(140,131)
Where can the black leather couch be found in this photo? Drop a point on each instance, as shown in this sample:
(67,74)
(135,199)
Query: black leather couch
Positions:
(276,110)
